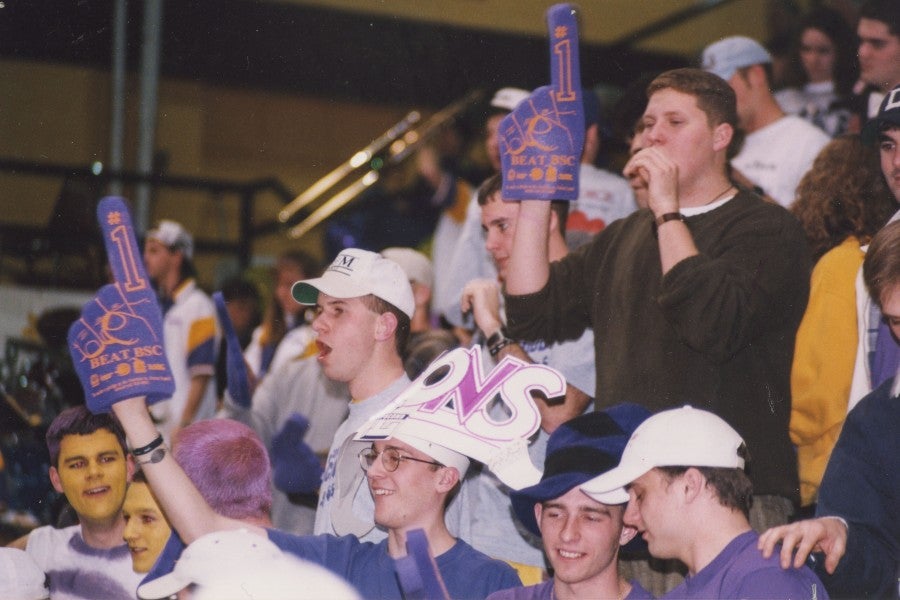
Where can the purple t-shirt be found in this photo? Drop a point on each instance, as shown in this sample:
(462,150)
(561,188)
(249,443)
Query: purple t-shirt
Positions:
(544,591)
(740,571)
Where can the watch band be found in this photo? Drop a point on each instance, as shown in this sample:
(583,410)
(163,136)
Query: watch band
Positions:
(497,342)
(669,216)
(155,457)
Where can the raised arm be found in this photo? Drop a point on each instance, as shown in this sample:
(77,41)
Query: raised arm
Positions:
(541,143)
(529,263)
(482,298)
(187,511)
(117,350)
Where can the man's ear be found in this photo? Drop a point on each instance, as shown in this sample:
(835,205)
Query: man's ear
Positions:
(693,483)
(385,326)
(54,479)
(627,534)
(129,467)
(449,478)
(756,75)
(591,143)
(421,294)
(538,510)
(722,135)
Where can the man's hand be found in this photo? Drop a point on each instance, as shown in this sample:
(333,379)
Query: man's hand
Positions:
(659,174)
(117,344)
(541,141)
(824,534)
(482,297)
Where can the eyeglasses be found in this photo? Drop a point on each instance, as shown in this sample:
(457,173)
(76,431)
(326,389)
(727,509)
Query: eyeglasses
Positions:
(390,459)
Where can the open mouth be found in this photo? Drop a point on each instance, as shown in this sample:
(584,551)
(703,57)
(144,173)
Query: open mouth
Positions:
(97,491)
(569,554)
(324,350)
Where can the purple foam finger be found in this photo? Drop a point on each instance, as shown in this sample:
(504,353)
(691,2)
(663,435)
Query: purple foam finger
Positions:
(541,141)
(565,68)
(237,380)
(418,572)
(117,344)
(122,250)
(113,354)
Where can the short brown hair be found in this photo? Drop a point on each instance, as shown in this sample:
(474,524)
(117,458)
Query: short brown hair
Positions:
(494,185)
(881,267)
(714,96)
(732,486)
(379,306)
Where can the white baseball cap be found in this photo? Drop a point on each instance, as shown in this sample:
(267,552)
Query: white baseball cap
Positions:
(356,273)
(172,235)
(509,98)
(415,264)
(20,577)
(725,57)
(441,454)
(680,437)
(241,564)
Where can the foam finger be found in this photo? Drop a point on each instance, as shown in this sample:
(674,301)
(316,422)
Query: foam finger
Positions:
(225,318)
(122,249)
(565,71)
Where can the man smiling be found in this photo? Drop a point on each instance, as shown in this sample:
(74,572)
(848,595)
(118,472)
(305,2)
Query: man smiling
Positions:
(89,466)
(581,535)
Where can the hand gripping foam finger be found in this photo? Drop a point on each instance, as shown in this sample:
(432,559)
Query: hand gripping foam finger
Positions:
(295,467)
(420,578)
(237,379)
(117,343)
(541,141)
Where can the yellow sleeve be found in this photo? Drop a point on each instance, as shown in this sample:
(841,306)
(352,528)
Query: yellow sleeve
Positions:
(824,355)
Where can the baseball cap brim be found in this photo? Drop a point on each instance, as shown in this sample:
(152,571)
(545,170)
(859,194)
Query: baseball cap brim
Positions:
(162,581)
(307,291)
(619,477)
(523,500)
(872,130)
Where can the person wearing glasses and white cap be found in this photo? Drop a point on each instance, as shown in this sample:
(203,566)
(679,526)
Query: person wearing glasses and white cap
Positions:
(690,498)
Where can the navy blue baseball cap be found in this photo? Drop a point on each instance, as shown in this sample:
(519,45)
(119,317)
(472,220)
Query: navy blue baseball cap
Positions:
(578,451)
(888,116)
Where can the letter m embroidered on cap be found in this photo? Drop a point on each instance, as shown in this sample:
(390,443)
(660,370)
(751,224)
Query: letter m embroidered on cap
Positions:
(343,264)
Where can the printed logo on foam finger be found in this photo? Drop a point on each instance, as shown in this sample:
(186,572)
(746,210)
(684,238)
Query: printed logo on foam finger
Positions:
(541,141)
(454,404)
(116,344)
